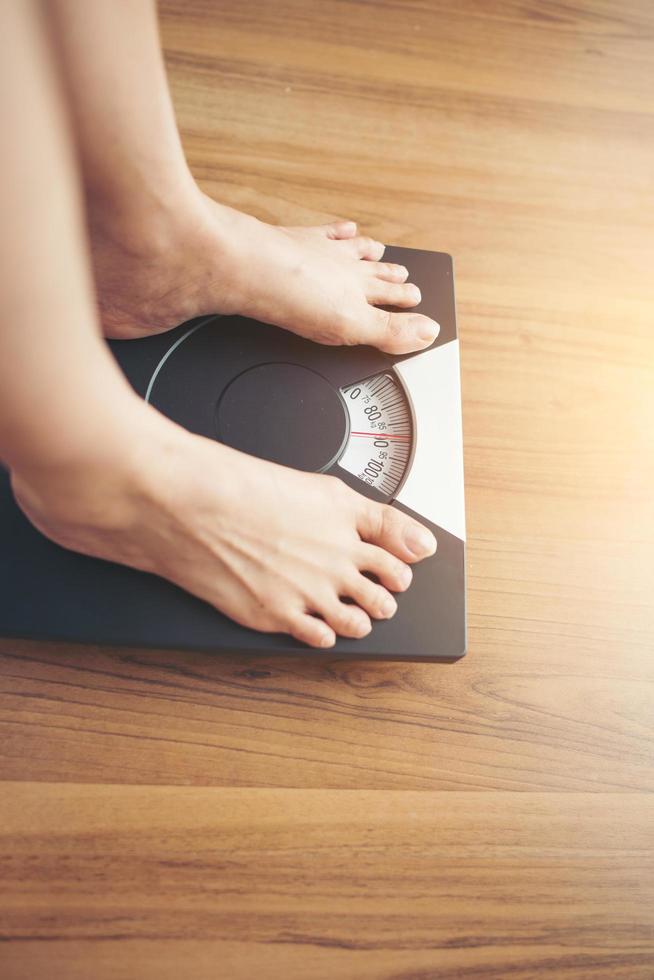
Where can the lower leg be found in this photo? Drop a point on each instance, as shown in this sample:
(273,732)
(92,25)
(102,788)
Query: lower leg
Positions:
(164,252)
(52,356)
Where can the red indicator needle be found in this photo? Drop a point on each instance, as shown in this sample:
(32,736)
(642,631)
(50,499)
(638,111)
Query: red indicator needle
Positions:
(381,435)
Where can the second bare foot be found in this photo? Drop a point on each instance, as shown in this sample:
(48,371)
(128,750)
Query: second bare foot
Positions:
(275,549)
(327,282)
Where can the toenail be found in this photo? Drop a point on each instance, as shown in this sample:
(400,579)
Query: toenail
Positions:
(415,293)
(405,577)
(429,330)
(420,541)
(388,607)
(361,627)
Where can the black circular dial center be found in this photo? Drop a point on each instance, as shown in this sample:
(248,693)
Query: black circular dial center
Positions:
(286,413)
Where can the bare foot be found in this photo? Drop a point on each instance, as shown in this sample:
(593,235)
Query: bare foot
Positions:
(275,549)
(327,283)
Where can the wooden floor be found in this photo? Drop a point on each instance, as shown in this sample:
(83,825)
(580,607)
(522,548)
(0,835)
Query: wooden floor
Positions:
(172,815)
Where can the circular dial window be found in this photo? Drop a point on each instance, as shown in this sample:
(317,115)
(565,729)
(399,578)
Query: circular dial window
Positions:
(230,382)
(380,442)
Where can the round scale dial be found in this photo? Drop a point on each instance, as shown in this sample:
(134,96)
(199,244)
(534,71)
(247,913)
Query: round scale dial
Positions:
(380,441)
(276,396)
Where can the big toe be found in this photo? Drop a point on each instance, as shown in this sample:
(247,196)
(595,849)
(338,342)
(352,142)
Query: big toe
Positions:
(339,229)
(395,531)
(400,333)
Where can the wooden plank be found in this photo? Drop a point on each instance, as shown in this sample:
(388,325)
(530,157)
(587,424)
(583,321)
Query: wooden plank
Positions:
(352,884)
(530,709)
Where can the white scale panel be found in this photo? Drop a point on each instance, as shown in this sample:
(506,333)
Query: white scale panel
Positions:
(434,485)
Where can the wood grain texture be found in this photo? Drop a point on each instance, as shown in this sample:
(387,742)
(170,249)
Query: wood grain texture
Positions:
(312,883)
(171,814)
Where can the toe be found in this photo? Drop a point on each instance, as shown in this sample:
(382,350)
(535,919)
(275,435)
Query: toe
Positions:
(312,631)
(387,271)
(346,619)
(365,248)
(389,570)
(372,598)
(400,333)
(385,293)
(339,229)
(395,531)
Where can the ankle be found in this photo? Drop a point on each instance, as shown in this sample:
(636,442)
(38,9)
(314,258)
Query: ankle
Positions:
(144,220)
(98,504)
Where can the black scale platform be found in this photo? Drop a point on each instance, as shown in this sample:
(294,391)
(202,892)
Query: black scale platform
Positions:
(388,426)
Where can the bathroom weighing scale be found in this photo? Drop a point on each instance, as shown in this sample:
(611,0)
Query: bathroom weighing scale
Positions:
(387,425)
